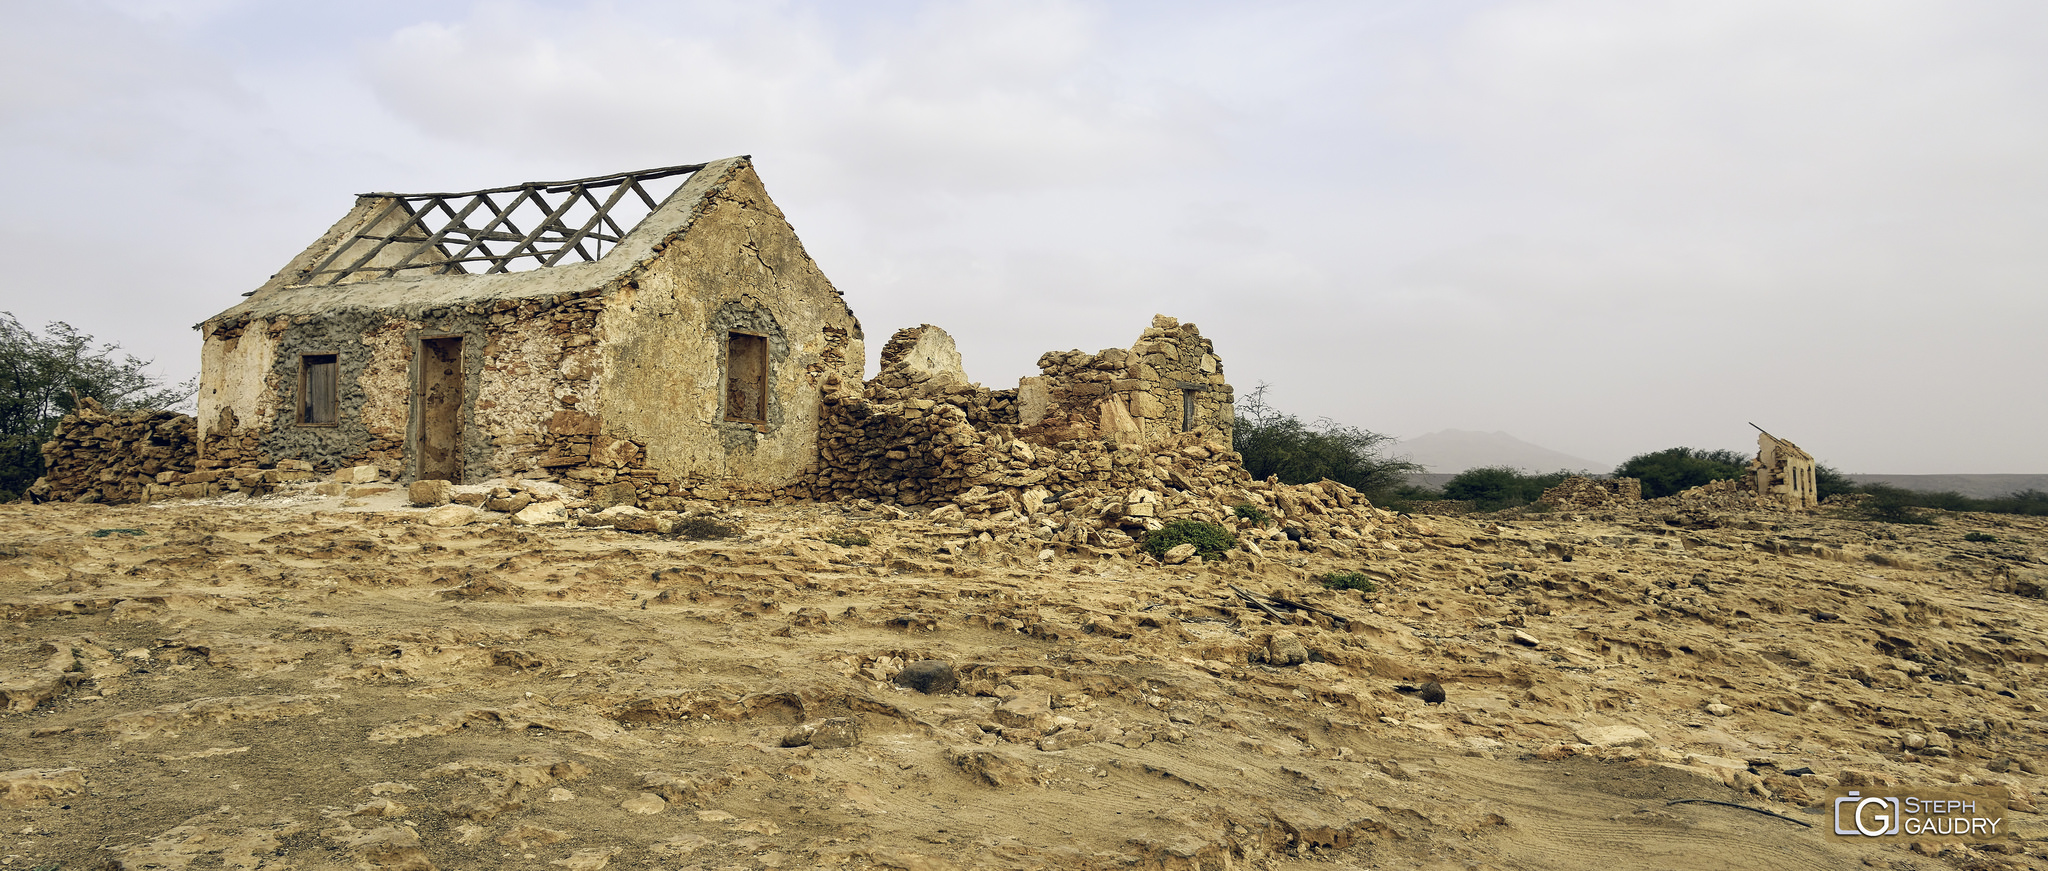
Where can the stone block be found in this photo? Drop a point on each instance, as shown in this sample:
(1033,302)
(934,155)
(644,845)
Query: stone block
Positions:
(451,515)
(552,513)
(357,475)
(608,495)
(430,492)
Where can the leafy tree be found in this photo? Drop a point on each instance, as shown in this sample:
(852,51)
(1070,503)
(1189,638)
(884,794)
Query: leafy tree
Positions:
(1279,444)
(1887,504)
(1673,470)
(43,377)
(1832,483)
(1492,488)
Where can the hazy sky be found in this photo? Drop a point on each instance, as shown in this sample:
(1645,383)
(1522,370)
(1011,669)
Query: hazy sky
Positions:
(1603,227)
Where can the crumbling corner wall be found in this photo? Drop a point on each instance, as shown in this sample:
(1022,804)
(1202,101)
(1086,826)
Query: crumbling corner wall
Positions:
(1783,475)
(1581,492)
(920,432)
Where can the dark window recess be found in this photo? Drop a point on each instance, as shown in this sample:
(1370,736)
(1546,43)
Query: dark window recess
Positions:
(317,379)
(1187,410)
(746,378)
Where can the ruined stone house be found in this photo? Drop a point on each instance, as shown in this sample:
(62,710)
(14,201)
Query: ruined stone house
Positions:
(1782,474)
(540,330)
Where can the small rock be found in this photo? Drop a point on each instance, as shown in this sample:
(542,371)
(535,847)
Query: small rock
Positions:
(828,734)
(430,493)
(1431,693)
(451,515)
(1914,741)
(1525,639)
(1026,710)
(553,513)
(1718,709)
(608,495)
(510,504)
(1614,736)
(356,475)
(645,803)
(927,676)
(1284,648)
(1178,554)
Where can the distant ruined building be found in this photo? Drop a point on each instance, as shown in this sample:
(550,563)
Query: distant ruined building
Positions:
(661,334)
(1782,474)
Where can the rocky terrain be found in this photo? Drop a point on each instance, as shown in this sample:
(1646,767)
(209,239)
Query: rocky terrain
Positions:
(301,681)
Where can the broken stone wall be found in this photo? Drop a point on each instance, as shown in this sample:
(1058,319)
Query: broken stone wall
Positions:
(1580,492)
(513,352)
(1167,383)
(114,457)
(1783,474)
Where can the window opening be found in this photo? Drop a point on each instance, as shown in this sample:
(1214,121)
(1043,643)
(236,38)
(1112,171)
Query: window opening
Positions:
(746,378)
(318,376)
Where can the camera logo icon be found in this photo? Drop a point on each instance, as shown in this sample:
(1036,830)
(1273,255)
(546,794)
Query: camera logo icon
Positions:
(1870,816)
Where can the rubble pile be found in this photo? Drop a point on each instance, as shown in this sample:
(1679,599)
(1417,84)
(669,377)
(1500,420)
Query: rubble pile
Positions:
(1581,492)
(101,456)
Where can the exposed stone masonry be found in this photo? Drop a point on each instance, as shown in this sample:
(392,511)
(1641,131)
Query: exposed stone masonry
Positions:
(1576,492)
(101,456)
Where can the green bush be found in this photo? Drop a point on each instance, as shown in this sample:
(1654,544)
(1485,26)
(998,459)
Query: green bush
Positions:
(1829,482)
(1492,488)
(1675,470)
(1210,540)
(1282,446)
(1980,536)
(1252,513)
(1887,504)
(1348,581)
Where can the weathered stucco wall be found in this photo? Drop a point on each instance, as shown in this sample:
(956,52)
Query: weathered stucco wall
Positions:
(1784,474)
(234,375)
(740,268)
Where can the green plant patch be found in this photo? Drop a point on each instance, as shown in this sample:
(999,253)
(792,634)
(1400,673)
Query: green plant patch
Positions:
(848,538)
(1253,513)
(1210,540)
(1348,581)
(702,528)
(1980,536)
(103,533)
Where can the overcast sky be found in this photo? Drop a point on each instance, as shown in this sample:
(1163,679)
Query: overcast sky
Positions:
(1603,227)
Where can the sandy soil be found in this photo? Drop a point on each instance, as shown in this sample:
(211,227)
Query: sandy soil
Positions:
(296,683)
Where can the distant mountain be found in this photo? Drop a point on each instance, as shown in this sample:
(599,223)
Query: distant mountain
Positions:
(1455,450)
(1973,486)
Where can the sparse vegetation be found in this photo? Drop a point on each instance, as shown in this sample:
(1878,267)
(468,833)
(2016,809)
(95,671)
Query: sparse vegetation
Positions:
(1887,504)
(1281,445)
(1493,488)
(1980,536)
(1675,470)
(1252,514)
(1210,541)
(1348,581)
(704,528)
(848,538)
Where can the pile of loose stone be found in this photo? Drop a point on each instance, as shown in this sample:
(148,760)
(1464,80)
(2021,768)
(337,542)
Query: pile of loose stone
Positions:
(101,456)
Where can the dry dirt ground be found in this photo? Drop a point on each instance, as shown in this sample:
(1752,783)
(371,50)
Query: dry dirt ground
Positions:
(296,683)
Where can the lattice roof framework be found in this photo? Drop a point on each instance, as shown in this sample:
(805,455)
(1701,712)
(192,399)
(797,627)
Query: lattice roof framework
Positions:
(444,233)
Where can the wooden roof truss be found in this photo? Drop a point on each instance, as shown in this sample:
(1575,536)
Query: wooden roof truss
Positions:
(508,229)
